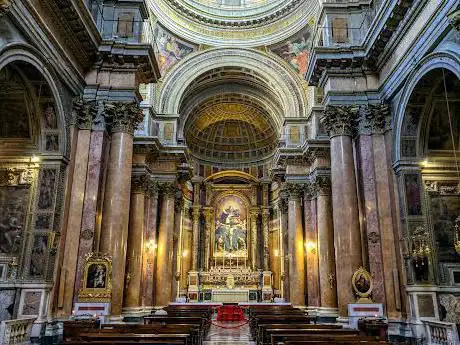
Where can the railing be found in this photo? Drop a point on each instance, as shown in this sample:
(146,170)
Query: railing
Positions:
(16,332)
(441,333)
(126,28)
(345,35)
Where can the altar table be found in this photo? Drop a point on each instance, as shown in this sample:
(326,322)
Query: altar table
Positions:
(230,295)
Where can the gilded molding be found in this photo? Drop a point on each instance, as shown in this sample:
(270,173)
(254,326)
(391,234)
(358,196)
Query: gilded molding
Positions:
(340,120)
(16,176)
(4,7)
(123,117)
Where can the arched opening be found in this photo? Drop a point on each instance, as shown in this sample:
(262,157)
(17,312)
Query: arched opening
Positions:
(31,176)
(430,149)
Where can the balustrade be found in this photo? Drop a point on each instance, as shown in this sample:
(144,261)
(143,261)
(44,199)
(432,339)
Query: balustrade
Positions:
(16,332)
(441,333)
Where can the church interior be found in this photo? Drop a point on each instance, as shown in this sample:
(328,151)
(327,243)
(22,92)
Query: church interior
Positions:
(210,172)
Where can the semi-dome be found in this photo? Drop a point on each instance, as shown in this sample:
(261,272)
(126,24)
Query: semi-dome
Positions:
(230,131)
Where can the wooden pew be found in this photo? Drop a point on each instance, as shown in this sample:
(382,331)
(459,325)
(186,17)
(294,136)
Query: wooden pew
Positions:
(281,335)
(264,331)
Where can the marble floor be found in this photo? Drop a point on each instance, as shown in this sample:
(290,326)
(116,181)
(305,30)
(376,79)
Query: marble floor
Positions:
(223,336)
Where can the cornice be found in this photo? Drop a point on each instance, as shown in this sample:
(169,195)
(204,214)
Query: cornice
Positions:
(221,21)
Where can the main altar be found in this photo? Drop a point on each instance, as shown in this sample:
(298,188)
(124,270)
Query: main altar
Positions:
(233,268)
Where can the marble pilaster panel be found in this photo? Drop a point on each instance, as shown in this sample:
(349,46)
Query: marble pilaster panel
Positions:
(371,215)
(150,236)
(92,208)
(383,185)
(196,236)
(74,221)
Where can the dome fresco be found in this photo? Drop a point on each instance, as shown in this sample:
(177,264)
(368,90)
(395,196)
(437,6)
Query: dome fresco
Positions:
(239,23)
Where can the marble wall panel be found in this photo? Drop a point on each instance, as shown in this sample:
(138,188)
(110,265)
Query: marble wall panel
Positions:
(31,304)
(6,302)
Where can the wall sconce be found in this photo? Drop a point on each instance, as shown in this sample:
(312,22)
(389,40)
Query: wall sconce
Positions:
(185,253)
(276,252)
(310,247)
(457,235)
(34,159)
(150,246)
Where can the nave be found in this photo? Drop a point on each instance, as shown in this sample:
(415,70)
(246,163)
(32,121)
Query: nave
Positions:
(198,325)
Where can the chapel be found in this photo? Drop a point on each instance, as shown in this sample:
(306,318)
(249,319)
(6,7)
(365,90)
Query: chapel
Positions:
(211,172)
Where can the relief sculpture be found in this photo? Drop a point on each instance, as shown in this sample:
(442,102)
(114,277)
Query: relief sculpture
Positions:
(13,210)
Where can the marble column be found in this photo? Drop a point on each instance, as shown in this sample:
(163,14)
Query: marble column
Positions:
(149,259)
(84,116)
(139,188)
(265,228)
(340,122)
(123,118)
(311,252)
(254,213)
(296,246)
(164,274)
(209,217)
(325,247)
(196,211)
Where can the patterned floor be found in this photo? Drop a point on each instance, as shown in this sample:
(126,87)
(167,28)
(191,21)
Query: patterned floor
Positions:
(227,336)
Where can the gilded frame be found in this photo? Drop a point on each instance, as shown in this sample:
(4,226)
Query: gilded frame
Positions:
(90,293)
(363,296)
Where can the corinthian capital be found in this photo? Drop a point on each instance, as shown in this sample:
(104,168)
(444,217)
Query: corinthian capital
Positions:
(169,189)
(374,118)
(139,184)
(293,190)
(340,119)
(84,112)
(123,117)
(321,185)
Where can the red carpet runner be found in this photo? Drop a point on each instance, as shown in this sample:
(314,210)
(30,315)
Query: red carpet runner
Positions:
(230,313)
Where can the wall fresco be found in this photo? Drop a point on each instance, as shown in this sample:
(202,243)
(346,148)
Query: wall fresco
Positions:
(296,50)
(171,48)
